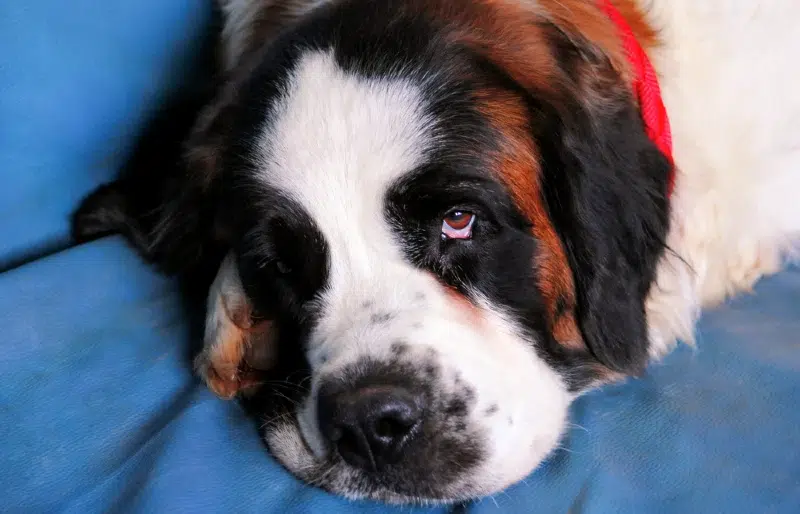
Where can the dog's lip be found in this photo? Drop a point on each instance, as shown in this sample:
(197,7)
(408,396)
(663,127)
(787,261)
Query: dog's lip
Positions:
(378,493)
(303,419)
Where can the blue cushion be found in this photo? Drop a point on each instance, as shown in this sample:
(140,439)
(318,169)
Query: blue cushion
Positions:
(99,409)
(710,429)
(78,80)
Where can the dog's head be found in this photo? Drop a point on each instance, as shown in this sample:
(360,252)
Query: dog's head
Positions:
(455,211)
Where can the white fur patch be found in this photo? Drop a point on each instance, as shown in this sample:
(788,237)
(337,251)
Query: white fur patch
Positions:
(730,87)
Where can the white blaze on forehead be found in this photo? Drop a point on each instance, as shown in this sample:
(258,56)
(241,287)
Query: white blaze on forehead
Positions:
(335,143)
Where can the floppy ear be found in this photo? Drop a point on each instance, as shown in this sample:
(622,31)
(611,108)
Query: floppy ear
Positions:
(167,200)
(605,186)
(157,203)
(192,219)
(577,160)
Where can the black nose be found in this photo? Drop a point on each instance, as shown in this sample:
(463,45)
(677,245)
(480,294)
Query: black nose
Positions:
(370,426)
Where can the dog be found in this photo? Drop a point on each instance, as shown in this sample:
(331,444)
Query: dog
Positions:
(432,224)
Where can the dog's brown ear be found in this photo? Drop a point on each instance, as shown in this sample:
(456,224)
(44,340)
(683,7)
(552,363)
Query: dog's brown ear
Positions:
(604,185)
(582,168)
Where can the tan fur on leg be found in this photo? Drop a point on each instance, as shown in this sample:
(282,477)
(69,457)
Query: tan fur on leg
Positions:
(238,347)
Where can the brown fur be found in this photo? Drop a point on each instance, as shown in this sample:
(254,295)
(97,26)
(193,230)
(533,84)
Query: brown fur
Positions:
(469,311)
(512,35)
(517,164)
(584,20)
(506,32)
(646,34)
(245,349)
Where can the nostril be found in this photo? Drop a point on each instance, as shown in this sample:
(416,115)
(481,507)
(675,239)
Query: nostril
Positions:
(395,425)
(389,428)
(350,442)
(353,449)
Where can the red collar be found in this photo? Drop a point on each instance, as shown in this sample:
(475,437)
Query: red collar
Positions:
(645,87)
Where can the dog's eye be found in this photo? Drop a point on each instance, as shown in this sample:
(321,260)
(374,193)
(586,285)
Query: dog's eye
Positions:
(458,225)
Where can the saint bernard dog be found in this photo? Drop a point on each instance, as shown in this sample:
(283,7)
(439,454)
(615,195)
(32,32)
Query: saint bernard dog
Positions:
(432,224)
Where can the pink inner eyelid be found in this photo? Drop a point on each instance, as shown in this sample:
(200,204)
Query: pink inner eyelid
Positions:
(458,234)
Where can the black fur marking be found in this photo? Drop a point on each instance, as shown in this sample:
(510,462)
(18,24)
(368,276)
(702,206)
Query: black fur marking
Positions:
(457,407)
(282,233)
(137,203)
(605,185)
(381,317)
(492,409)
(399,348)
(562,307)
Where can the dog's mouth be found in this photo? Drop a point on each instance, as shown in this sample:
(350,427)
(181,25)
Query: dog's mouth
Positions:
(331,472)
(436,465)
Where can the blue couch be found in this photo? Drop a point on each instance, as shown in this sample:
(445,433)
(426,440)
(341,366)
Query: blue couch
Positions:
(99,411)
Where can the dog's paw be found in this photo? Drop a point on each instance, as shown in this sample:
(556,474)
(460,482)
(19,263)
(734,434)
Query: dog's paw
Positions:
(223,380)
(239,345)
(236,361)
(220,374)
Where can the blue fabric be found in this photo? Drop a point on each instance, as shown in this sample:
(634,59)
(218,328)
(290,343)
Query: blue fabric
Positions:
(710,429)
(78,79)
(99,411)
